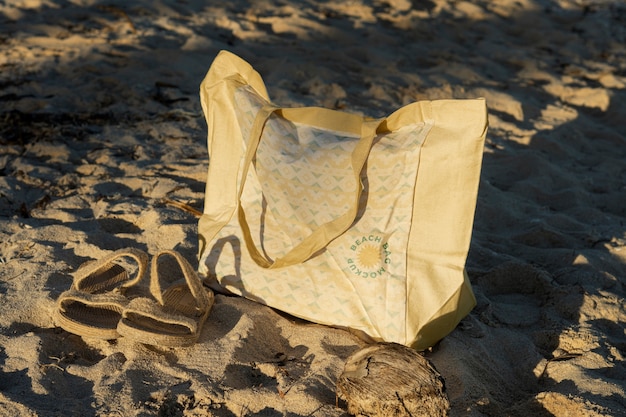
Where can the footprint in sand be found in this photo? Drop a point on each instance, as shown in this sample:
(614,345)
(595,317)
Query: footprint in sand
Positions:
(516,293)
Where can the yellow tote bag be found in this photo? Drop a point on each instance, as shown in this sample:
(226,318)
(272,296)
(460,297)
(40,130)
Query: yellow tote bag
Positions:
(337,218)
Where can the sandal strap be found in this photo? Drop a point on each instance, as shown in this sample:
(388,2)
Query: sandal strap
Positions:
(191,278)
(90,268)
(148,308)
(111,300)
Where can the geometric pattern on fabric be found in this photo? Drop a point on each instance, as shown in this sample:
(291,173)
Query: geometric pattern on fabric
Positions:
(301,178)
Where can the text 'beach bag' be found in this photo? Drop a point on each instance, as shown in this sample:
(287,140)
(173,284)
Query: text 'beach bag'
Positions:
(336,218)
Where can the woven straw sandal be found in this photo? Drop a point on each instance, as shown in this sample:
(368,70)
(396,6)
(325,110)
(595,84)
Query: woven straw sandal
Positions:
(93,305)
(176,315)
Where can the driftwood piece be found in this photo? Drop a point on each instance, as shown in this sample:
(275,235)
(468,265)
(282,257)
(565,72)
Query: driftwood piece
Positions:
(389,379)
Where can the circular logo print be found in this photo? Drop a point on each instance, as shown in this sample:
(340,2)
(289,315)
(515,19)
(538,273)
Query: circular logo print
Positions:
(370,256)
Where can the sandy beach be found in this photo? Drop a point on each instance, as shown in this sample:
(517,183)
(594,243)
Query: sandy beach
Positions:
(103,147)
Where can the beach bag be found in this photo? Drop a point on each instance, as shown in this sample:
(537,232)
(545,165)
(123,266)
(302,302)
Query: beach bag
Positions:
(336,218)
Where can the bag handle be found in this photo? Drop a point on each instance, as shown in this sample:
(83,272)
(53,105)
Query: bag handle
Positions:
(327,232)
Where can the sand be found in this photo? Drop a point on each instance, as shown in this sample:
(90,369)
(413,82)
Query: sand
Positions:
(101,128)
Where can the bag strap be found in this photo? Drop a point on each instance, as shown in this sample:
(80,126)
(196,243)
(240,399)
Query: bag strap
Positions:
(327,232)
